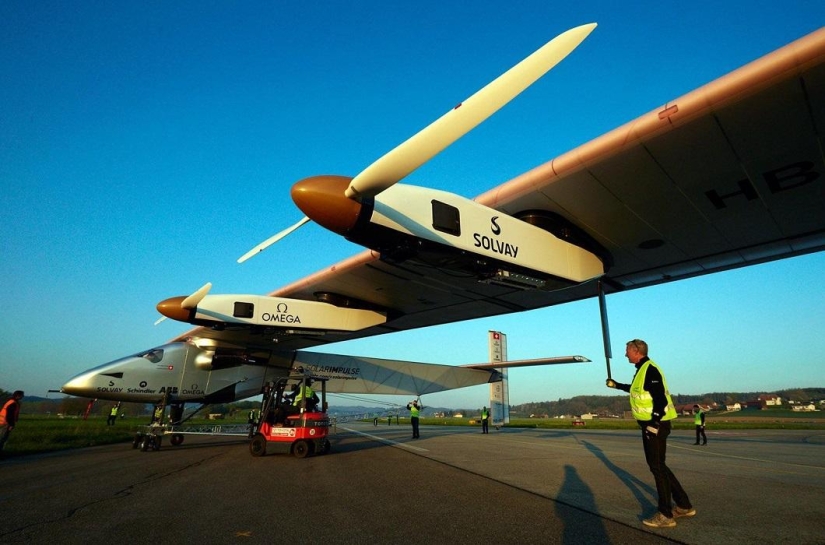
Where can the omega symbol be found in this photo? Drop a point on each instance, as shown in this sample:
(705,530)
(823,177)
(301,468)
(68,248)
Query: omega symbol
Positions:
(282,308)
(495,228)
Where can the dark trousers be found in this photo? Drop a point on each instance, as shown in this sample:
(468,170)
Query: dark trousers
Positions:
(667,485)
(485,425)
(700,430)
(414,421)
(4,435)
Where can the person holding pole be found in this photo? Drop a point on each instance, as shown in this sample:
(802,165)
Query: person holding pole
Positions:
(653,409)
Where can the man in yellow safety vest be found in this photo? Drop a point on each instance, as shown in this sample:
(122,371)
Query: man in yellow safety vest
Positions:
(415,410)
(653,409)
(112,416)
(308,393)
(699,422)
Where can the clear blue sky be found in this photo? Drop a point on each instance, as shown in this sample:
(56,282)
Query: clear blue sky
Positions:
(144,146)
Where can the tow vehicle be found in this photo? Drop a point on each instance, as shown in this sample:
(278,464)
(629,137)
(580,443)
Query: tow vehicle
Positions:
(174,425)
(289,428)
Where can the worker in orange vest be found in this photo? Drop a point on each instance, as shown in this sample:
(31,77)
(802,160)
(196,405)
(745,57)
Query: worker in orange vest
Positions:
(8,416)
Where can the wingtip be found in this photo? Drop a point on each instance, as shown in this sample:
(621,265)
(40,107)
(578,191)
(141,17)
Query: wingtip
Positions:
(248,254)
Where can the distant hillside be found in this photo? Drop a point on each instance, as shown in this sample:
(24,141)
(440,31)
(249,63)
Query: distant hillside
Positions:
(603,405)
(616,405)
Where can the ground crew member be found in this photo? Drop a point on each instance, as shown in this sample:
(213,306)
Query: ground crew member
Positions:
(415,410)
(285,407)
(699,422)
(157,414)
(112,416)
(485,420)
(308,393)
(653,409)
(8,416)
(252,421)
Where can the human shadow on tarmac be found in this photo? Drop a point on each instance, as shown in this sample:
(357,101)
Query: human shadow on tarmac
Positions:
(641,491)
(575,492)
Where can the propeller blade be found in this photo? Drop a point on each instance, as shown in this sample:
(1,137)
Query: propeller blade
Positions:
(445,130)
(271,240)
(193,300)
(159,320)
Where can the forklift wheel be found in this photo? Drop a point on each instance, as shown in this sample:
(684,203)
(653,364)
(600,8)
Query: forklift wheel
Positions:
(257,446)
(300,449)
(325,447)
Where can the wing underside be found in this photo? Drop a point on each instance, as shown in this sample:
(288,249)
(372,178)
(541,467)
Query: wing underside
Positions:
(726,176)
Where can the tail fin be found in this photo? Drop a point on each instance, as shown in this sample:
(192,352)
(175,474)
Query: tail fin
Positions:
(500,401)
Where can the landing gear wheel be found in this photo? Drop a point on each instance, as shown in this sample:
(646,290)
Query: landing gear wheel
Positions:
(257,446)
(136,442)
(300,449)
(156,439)
(177,439)
(145,443)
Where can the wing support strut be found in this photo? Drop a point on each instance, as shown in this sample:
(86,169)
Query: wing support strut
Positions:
(605,328)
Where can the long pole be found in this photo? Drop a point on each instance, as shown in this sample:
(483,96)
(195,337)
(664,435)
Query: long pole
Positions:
(605,328)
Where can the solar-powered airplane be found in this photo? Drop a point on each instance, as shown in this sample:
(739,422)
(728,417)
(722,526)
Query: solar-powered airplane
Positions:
(726,176)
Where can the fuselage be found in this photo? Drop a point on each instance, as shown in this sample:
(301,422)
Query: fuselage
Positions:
(179,372)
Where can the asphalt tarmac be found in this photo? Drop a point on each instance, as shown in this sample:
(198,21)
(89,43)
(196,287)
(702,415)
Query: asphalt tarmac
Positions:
(454,485)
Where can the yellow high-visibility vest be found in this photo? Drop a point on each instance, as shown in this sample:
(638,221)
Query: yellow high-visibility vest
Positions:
(641,402)
(305,392)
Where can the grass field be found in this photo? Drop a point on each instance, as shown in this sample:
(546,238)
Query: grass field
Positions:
(36,434)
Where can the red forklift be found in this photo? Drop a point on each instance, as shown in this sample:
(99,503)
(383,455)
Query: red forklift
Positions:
(293,418)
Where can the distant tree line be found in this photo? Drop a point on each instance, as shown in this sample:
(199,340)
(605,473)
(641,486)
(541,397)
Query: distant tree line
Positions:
(617,405)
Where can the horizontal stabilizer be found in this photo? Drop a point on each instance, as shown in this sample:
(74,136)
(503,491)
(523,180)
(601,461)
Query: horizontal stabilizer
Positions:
(528,363)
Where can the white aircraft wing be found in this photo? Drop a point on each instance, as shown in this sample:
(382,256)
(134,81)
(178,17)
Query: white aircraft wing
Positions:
(363,375)
(726,176)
